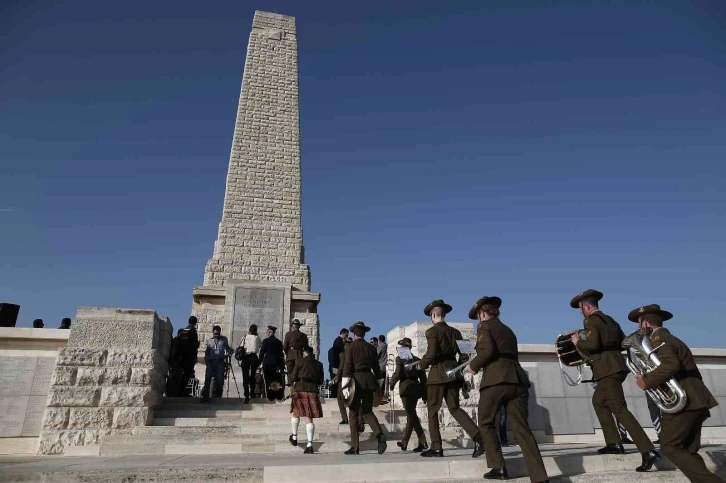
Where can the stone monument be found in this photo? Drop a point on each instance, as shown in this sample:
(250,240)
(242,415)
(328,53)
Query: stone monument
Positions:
(257,273)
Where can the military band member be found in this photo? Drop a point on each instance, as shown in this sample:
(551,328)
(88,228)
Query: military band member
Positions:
(361,366)
(412,388)
(306,377)
(341,399)
(293,346)
(603,346)
(440,356)
(503,384)
(680,435)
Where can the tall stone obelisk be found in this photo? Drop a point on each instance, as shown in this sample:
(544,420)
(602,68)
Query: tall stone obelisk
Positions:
(257,274)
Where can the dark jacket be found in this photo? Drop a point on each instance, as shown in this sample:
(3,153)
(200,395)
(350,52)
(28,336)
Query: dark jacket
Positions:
(676,360)
(307,376)
(441,353)
(361,363)
(413,380)
(295,342)
(497,353)
(603,345)
(334,353)
(271,352)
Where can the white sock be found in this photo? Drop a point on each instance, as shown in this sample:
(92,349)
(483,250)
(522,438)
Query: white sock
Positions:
(310,429)
(295,423)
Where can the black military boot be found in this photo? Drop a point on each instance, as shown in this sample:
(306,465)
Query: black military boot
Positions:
(433,453)
(496,474)
(649,460)
(421,447)
(345,421)
(293,441)
(382,445)
(309,449)
(352,450)
(402,445)
(615,448)
(478,446)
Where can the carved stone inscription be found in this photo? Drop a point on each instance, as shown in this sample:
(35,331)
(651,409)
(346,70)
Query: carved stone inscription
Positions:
(25,382)
(260,306)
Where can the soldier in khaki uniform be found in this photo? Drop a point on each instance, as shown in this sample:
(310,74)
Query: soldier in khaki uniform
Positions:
(503,383)
(412,388)
(603,346)
(441,356)
(339,395)
(680,435)
(295,342)
(361,366)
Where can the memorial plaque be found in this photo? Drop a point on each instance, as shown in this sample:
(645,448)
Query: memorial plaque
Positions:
(12,415)
(43,376)
(34,415)
(16,375)
(260,306)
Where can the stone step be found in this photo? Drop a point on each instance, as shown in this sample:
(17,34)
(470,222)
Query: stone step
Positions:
(262,423)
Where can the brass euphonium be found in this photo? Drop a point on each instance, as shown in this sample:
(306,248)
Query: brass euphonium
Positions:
(669,397)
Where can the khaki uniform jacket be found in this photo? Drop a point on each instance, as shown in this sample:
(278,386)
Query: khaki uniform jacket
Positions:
(441,353)
(603,345)
(413,381)
(295,342)
(676,360)
(307,376)
(360,361)
(497,353)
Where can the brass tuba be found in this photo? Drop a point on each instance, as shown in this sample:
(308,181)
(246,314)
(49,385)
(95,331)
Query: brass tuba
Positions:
(669,397)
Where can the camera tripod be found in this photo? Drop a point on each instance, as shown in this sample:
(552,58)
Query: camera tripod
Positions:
(227,371)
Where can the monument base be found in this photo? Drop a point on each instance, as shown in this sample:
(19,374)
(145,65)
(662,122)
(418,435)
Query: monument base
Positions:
(242,303)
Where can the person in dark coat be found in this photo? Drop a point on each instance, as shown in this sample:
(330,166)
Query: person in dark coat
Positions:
(273,360)
(334,354)
(412,388)
(680,434)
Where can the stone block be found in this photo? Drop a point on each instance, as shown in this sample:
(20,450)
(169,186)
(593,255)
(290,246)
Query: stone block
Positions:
(94,436)
(61,396)
(131,417)
(129,397)
(56,418)
(130,358)
(64,376)
(84,418)
(116,375)
(53,442)
(141,376)
(90,376)
(69,356)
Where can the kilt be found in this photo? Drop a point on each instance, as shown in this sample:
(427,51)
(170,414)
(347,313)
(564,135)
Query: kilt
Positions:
(306,405)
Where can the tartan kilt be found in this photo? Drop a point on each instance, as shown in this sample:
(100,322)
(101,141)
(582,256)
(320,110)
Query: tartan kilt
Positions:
(306,405)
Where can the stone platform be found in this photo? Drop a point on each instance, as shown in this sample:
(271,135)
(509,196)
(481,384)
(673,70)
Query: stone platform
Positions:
(565,463)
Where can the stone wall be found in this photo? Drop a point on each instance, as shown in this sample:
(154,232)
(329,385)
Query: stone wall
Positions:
(260,235)
(107,379)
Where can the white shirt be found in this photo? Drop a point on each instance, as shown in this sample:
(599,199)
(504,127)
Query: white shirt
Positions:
(252,344)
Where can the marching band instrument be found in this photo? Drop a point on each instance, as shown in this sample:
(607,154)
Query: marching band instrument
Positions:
(390,362)
(569,355)
(453,373)
(670,396)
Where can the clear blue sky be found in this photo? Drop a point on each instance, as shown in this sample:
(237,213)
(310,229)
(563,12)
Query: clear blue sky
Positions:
(447,151)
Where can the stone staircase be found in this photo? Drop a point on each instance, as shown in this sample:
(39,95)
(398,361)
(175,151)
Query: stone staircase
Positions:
(184,426)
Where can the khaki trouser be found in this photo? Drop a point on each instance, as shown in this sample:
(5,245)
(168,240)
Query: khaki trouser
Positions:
(608,400)
(362,406)
(515,399)
(680,440)
(435,395)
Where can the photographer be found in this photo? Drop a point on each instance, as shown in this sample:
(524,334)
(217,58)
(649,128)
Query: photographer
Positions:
(214,357)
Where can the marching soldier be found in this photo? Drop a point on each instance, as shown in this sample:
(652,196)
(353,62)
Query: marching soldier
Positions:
(504,383)
(680,435)
(361,366)
(307,376)
(603,346)
(295,342)
(341,399)
(412,388)
(440,356)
